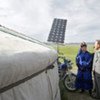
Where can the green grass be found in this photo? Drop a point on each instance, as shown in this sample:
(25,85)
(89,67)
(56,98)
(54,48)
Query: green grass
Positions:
(70,51)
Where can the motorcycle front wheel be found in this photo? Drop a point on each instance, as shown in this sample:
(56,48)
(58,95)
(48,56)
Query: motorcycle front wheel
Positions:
(69,82)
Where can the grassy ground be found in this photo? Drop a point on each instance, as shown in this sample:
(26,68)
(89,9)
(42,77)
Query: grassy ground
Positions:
(66,95)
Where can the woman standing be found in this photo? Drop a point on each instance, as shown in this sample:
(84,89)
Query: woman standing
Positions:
(84,74)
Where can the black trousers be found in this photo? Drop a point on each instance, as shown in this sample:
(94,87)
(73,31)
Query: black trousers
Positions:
(97,84)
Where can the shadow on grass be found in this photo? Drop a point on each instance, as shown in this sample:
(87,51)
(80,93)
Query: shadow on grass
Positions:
(66,95)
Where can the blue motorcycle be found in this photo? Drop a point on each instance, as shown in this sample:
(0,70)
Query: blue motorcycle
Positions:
(65,74)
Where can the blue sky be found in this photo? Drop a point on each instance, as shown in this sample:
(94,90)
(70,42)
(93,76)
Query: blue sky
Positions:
(34,17)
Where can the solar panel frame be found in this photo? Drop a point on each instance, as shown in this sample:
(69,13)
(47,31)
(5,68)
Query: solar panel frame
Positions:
(57,32)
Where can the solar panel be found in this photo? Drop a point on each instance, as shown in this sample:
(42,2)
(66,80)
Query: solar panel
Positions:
(57,33)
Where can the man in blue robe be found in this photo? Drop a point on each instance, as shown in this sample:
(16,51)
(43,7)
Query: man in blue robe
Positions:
(84,74)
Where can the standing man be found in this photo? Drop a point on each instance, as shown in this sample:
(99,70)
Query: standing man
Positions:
(84,75)
(96,70)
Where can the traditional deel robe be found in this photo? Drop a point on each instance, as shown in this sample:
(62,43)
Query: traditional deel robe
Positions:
(84,75)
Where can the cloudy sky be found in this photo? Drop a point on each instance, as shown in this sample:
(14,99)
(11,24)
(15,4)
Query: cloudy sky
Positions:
(34,17)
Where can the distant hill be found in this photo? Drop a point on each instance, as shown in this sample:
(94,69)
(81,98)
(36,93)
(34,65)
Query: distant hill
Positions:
(79,43)
(49,43)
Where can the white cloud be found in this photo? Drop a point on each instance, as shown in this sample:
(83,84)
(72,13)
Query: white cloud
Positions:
(34,17)
(83,20)
(31,17)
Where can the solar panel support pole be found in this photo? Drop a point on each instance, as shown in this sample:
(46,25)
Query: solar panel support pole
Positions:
(57,48)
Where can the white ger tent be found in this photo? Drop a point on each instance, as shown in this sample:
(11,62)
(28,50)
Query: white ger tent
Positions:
(28,69)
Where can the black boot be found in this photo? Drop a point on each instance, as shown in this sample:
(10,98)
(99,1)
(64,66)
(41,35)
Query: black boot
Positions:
(94,96)
(90,92)
(82,90)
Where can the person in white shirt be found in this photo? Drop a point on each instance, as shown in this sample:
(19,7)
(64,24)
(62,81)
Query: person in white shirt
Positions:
(96,70)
